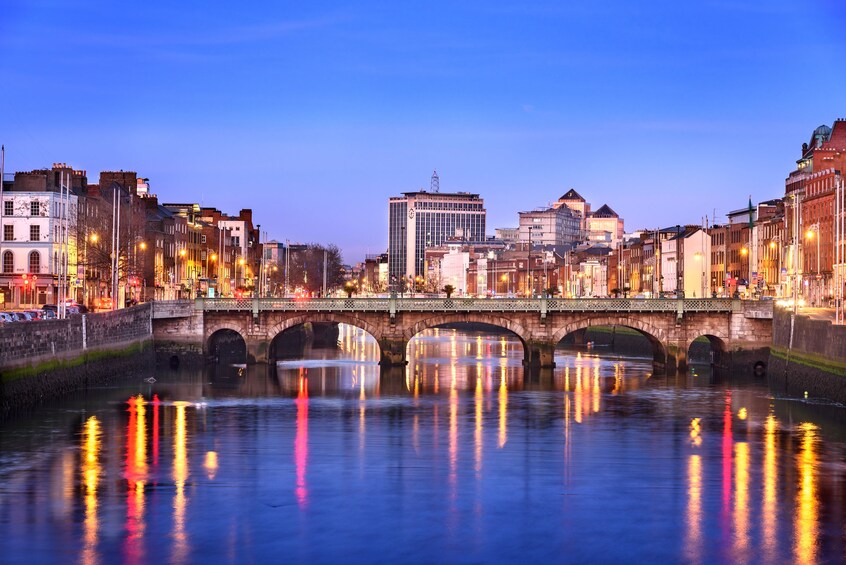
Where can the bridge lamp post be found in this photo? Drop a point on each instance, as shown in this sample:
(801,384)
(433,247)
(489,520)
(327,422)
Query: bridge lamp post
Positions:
(241,261)
(743,253)
(213,259)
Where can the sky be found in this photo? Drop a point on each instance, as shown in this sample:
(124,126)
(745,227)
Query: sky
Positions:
(314,114)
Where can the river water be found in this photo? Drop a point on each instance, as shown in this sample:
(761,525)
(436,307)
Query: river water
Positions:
(462,456)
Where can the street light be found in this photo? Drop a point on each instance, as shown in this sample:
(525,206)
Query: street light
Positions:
(814,231)
(93,238)
(182,253)
(774,251)
(241,262)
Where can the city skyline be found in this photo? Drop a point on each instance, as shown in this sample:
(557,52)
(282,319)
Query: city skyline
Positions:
(696,107)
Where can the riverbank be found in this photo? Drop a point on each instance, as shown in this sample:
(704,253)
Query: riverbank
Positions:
(808,356)
(45,360)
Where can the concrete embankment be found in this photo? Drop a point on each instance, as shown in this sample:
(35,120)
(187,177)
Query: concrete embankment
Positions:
(49,358)
(808,355)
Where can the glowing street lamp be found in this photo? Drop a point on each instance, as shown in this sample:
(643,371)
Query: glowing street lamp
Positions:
(182,253)
(814,232)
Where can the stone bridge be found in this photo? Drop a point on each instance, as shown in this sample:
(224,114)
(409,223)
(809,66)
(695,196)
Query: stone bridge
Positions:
(734,328)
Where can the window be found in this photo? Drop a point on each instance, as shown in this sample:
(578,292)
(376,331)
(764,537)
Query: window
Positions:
(8,208)
(8,233)
(35,233)
(34,208)
(8,262)
(35,262)
(202,239)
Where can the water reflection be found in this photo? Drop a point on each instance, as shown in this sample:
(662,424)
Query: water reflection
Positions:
(136,477)
(328,457)
(180,475)
(91,438)
(805,549)
(301,441)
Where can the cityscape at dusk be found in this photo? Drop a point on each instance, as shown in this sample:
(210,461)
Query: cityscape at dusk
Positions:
(380,282)
(695,107)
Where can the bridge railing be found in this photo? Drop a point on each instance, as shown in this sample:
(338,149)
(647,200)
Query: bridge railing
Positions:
(541,305)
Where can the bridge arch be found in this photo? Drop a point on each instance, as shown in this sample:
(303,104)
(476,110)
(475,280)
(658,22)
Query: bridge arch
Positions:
(214,326)
(472,318)
(281,325)
(657,337)
(718,342)
(227,343)
(287,323)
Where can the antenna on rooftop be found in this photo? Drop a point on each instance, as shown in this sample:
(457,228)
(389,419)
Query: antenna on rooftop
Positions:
(435,185)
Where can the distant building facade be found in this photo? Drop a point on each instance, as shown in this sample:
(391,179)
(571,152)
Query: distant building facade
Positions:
(419,220)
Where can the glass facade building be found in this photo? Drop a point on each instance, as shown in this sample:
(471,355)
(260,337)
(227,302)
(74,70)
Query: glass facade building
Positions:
(417,220)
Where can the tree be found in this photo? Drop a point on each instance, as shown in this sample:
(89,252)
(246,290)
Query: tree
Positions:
(552,291)
(306,262)
(350,287)
(449,289)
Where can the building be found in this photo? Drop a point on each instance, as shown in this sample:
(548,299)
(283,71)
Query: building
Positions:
(605,226)
(686,263)
(550,226)
(507,235)
(419,220)
(809,212)
(38,247)
(575,202)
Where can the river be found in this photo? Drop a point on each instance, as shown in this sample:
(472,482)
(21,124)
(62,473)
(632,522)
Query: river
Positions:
(463,456)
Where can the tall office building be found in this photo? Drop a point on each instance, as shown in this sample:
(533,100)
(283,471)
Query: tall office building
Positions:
(417,220)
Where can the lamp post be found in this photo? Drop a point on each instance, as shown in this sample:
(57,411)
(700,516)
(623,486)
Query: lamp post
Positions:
(213,259)
(743,253)
(181,253)
(241,262)
(93,237)
(814,232)
(774,251)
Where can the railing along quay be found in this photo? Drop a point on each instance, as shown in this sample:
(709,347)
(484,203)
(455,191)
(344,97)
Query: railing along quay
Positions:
(393,305)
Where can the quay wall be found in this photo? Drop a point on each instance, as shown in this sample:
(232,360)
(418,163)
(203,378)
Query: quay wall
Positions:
(808,355)
(48,358)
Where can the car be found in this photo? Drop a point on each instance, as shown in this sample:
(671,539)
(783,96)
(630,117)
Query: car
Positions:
(36,314)
(50,307)
(24,316)
(48,315)
(6,318)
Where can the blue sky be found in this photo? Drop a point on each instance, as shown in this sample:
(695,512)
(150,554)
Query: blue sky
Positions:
(314,113)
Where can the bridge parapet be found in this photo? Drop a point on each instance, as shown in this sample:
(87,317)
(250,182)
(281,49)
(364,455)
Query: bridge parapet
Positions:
(758,309)
(539,305)
(163,309)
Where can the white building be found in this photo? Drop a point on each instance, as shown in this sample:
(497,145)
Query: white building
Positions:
(453,269)
(686,263)
(31,251)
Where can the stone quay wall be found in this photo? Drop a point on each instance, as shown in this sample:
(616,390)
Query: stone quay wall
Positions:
(815,360)
(49,358)
(32,343)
